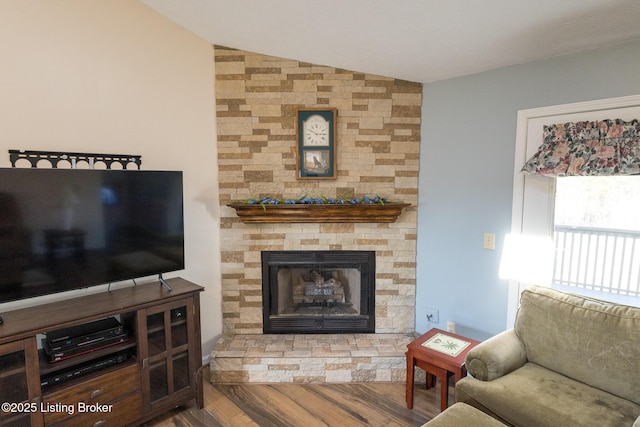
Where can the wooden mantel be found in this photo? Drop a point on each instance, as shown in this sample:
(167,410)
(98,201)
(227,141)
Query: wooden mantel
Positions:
(309,213)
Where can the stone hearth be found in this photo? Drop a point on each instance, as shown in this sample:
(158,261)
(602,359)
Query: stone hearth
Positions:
(310,358)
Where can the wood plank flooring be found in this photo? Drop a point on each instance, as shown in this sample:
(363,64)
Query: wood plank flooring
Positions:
(307,405)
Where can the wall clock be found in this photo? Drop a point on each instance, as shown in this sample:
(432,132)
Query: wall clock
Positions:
(316,139)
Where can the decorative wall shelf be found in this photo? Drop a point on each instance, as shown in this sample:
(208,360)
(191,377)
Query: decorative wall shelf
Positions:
(54,157)
(309,213)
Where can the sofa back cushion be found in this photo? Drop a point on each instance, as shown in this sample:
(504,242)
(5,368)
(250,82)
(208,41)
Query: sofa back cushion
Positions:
(591,341)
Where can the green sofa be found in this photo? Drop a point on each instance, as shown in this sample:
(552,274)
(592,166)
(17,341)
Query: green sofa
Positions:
(568,361)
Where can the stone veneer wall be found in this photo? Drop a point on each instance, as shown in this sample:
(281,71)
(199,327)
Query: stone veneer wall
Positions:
(378,145)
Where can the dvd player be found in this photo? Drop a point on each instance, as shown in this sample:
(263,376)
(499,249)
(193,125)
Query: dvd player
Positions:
(76,340)
(81,335)
(56,356)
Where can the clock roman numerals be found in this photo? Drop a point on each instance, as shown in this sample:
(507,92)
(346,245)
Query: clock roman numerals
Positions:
(316,131)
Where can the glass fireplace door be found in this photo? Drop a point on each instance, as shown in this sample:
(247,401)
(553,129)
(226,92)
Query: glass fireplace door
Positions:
(318,292)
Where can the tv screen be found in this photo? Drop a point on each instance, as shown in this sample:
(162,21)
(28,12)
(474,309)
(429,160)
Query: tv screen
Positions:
(64,229)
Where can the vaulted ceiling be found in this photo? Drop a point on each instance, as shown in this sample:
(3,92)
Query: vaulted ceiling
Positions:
(416,40)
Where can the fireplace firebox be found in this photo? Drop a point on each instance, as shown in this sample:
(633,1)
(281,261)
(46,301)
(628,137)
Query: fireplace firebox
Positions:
(318,291)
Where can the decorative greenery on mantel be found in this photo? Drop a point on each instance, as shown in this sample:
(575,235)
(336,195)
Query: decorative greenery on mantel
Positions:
(316,210)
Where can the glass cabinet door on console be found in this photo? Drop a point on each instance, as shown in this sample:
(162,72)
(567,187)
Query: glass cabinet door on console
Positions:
(167,353)
(19,384)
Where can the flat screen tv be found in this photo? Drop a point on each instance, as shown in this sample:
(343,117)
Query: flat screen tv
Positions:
(65,229)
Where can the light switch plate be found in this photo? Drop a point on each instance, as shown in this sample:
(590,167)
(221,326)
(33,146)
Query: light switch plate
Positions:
(489,241)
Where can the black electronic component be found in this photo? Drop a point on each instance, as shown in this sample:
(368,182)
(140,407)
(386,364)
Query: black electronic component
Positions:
(83,369)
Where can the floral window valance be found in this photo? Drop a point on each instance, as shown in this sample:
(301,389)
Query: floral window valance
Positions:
(596,148)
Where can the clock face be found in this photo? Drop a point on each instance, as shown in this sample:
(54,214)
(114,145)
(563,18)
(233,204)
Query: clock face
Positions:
(316,131)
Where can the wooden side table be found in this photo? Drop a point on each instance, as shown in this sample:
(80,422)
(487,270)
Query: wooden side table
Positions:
(443,358)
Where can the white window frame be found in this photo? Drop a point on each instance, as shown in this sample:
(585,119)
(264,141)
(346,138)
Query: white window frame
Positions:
(533,196)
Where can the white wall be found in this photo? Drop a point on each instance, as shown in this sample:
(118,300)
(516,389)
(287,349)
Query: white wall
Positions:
(115,77)
(466,174)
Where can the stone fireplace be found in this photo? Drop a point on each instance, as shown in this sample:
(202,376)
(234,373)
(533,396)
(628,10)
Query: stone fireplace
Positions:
(318,291)
(378,145)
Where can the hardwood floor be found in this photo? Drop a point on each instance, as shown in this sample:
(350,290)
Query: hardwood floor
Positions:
(307,405)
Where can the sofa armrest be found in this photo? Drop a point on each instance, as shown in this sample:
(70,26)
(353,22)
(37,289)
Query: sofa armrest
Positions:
(496,356)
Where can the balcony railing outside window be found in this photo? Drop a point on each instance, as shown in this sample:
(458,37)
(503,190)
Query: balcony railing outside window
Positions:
(598,259)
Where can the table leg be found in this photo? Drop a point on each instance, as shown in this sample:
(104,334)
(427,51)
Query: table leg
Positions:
(444,392)
(430,381)
(459,374)
(410,369)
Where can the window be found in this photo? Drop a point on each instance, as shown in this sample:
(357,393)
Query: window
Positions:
(533,196)
(597,235)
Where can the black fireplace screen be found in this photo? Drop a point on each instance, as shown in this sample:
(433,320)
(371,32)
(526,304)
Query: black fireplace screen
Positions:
(318,291)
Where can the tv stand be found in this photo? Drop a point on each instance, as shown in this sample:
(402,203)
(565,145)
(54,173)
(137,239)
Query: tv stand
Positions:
(161,368)
(164,282)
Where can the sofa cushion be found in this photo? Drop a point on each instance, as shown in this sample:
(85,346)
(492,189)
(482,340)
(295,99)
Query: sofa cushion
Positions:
(592,341)
(536,396)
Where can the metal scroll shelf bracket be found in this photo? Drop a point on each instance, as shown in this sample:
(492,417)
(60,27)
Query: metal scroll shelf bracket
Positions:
(54,157)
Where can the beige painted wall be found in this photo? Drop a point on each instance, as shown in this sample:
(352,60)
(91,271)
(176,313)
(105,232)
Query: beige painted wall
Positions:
(115,77)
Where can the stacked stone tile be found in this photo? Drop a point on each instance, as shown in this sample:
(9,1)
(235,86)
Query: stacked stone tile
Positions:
(309,358)
(378,154)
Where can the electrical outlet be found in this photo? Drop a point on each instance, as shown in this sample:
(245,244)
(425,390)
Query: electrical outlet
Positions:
(432,315)
(451,326)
